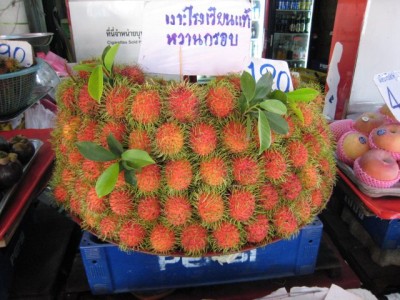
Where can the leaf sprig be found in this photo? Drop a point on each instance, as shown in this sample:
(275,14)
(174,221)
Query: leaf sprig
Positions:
(101,71)
(129,161)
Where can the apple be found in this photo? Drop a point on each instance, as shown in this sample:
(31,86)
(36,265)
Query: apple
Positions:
(379,164)
(386,112)
(351,145)
(339,127)
(368,121)
(386,137)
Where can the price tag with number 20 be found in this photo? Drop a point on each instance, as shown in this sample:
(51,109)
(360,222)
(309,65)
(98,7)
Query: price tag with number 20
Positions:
(389,86)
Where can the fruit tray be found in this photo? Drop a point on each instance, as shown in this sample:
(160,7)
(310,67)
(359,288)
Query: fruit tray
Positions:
(367,190)
(6,195)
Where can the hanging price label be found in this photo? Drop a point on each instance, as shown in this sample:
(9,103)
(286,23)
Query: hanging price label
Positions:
(389,86)
(19,50)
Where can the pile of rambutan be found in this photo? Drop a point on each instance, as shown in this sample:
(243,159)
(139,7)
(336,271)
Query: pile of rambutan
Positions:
(210,189)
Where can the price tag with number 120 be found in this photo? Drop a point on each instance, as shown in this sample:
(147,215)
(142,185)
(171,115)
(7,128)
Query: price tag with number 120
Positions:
(389,86)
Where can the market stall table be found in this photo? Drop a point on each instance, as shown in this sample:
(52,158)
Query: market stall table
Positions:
(30,185)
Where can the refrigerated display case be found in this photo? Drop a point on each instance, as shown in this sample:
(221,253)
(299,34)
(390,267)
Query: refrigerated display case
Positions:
(257,28)
(288,31)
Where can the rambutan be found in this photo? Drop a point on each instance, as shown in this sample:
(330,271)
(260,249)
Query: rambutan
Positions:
(86,103)
(116,101)
(148,178)
(68,97)
(245,170)
(134,74)
(308,114)
(75,205)
(169,139)
(94,203)
(220,101)
(121,203)
(242,204)
(213,171)
(108,225)
(303,209)
(70,129)
(87,132)
(162,239)
(291,126)
(139,139)
(178,174)
(309,176)
(194,239)
(312,143)
(291,187)
(275,164)
(177,210)
(298,153)
(316,198)
(60,193)
(146,106)
(234,137)
(114,128)
(90,219)
(285,222)
(131,234)
(227,236)
(68,176)
(91,169)
(203,139)
(149,208)
(74,157)
(269,196)
(257,231)
(210,207)
(183,103)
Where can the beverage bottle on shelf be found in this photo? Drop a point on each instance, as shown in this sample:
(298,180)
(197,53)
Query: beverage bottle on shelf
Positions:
(278,23)
(309,4)
(298,23)
(303,24)
(289,52)
(306,22)
(292,26)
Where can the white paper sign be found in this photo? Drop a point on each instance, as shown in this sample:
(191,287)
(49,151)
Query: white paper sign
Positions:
(196,37)
(389,87)
(19,50)
(278,68)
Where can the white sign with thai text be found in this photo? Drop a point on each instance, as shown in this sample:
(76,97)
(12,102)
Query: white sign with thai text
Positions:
(19,50)
(389,86)
(200,37)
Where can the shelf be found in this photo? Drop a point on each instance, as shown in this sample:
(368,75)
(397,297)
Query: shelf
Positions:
(293,33)
(293,10)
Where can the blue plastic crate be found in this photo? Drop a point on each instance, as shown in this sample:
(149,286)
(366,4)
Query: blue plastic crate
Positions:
(110,270)
(385,233)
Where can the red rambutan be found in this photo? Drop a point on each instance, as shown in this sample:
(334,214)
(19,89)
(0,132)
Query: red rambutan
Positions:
(68,176)
(210,207)
(146,107)
(169,139)
(241,205)
(60,193)
(178,174)
(177,210)
(88,131)
(183,103)
(245,170)
(220,101)
(285,222)
(131,234)
(234,137)
(68,97)
(227,236)
(108,225)
(71,128)
(134,74)
(149,208)
(317,198)
(291,126)
(303,209)
(116,101)
(257,231)
(213,171)
(275,164)
(121,203)
(194,239)
(139,139)
(148,179)
(298,153)
(269,196)
(86,103)
(75,205)
(309,176)
(203,139)
(114,128)
(91,169)
(94,203)
(291,187)
(162,239)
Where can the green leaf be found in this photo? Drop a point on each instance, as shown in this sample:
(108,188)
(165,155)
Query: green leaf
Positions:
(293,106)
(248,125)
(264,86)
(126,165)
(107,180)
(109,57)
(85,67)
(275,106)
(95,84)
(243,105)
(95,152)
(130,177)
(279,95)
(137,158)
(106,49)
(114,145)
(248,85)
(277,123)
(302,95)
(264,132)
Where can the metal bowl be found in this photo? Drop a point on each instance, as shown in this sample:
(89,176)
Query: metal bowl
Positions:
(38,39)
